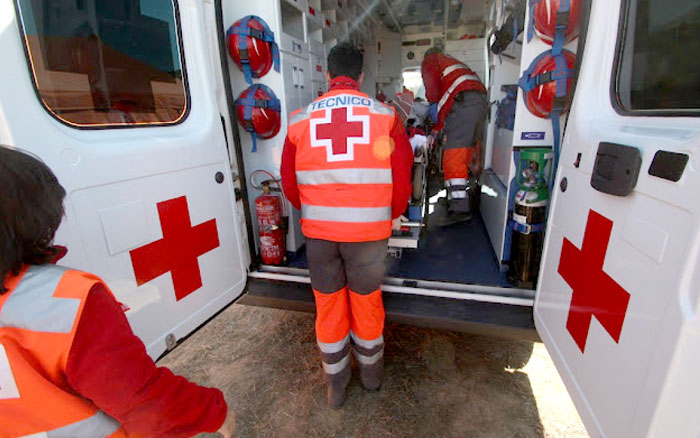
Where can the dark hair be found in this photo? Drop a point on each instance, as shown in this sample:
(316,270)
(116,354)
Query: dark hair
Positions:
(31,208)
(345,59)
(432,51)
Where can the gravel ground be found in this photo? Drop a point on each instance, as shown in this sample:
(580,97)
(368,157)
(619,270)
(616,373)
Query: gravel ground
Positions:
(438,383)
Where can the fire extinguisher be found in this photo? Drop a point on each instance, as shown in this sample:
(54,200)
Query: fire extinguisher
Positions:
(272,226)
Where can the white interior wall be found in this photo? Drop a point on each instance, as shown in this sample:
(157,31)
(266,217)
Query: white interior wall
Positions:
(298,82)
(500,144)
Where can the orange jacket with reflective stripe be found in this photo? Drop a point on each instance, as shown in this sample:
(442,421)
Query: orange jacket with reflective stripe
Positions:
(444,77)
(343,166)
(38,320)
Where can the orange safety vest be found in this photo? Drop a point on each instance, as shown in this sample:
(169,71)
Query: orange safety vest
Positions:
(38,319)
(343,166)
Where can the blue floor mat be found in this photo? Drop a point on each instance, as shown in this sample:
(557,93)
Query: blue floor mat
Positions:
(459,253)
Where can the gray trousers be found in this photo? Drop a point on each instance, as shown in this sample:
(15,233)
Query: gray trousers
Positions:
(359,265)
(465,120)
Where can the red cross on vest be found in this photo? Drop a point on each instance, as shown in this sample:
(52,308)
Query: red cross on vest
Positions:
(595,293)
(338,132)
(178,250)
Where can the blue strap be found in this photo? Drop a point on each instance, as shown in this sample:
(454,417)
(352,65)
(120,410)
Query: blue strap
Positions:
(556,132)
(243,30)
(528,228)
(515,33)
(562,22)
(269,37)
(527,82)
(531,20)
(249,102)
(560,75)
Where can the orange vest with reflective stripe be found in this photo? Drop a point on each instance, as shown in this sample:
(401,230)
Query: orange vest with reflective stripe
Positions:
(343,166)
(38,319)
(455,77)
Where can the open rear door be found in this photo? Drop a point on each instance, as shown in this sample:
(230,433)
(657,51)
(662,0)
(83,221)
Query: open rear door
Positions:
(617,304)
(118,98)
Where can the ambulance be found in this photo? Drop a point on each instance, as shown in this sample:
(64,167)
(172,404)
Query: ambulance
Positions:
(165,122)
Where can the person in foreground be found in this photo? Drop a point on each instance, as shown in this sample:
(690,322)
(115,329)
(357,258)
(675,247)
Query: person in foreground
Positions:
(70,365)
(346,164)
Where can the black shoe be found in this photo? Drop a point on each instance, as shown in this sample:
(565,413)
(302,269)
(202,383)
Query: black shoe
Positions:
(452,219)
(372,375)
(337,385)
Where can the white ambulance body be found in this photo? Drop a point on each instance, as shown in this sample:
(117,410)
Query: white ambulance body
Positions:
(160,205)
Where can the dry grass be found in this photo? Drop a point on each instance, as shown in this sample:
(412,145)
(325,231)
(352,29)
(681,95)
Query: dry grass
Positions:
(438,383)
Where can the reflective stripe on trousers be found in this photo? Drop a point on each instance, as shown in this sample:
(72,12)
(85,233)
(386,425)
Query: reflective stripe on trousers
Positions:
(99,425)
(344,176)
(346,214)
(456,188)
(453,87)
(367,352)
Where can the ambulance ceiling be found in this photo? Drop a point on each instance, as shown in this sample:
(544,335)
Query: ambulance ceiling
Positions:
(419,16)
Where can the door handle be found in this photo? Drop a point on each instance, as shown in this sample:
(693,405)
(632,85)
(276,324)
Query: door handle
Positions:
(294,77)
(616,169)
(301,78)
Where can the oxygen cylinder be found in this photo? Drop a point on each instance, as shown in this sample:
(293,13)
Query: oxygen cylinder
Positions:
(530,215)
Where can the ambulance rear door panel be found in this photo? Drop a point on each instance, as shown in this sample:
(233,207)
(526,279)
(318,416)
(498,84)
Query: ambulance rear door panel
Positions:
(150,209)
(617,299)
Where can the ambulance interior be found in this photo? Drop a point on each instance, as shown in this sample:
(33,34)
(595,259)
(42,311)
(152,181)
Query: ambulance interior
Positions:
(395,35)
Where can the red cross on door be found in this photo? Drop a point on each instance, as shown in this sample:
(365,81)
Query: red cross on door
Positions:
(338,132)
(595,293)
(178,250)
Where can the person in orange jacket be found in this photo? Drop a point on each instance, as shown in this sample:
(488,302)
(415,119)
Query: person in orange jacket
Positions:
(346,165)
(70,365)
(458,107)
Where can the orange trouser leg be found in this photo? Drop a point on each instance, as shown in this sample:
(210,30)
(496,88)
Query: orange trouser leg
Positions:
(455,165)
(455,162)
(367,315)
(333,330)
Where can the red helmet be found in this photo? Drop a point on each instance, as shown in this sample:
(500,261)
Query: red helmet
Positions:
(545,14)
(258,111)
(548,82)
(252,47)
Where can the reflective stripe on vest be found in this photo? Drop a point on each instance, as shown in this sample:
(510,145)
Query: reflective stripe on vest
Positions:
(32,306)
(457,82)
(451,68)
(344,176)
(346,214)
(99,425)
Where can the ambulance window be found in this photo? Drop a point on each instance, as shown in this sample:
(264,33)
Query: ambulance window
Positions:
(98,63)
(660,57)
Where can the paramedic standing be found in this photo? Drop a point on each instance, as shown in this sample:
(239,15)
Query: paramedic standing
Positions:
(458,106)
(347,164)
(69,364)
